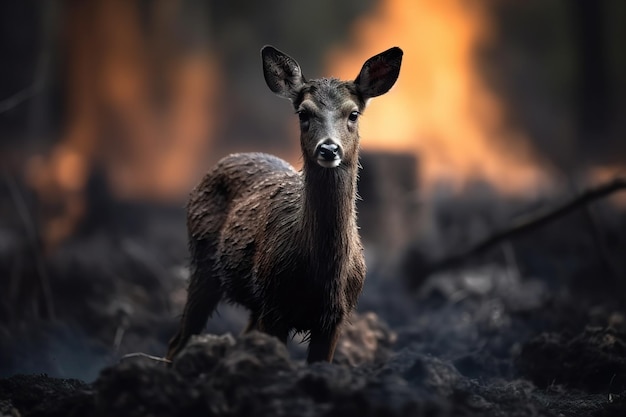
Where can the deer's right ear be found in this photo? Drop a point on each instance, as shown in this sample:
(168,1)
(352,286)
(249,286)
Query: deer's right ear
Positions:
(282,73)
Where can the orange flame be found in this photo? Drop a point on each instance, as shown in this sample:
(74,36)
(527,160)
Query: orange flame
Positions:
(439,108)
(148,148)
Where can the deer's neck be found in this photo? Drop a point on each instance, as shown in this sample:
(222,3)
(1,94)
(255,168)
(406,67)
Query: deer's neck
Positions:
(329,214)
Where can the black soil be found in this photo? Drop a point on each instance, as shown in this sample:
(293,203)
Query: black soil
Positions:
(545,336)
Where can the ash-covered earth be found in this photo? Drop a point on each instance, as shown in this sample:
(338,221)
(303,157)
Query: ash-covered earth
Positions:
(540,334)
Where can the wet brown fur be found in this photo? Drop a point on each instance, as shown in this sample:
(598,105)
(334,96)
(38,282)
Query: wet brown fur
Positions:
(282,243)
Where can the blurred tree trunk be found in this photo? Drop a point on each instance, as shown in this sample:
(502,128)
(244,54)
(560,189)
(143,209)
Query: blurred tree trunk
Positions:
(594,109)
(137,109)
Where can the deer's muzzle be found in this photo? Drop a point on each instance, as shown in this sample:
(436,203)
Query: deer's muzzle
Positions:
(328,154)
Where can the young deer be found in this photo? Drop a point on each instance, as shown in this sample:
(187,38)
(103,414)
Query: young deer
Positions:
(283,243)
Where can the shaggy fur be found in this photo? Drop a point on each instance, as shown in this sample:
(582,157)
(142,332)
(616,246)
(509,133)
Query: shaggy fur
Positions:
(283,243)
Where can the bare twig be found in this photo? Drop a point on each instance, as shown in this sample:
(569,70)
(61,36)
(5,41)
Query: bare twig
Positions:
(510,258)
(145,355)
(119,335)
(20,97)
(531,222)
(31,233)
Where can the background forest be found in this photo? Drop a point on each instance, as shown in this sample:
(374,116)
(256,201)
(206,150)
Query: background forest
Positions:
(111,110)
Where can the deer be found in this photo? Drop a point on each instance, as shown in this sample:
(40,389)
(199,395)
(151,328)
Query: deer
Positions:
(284,243)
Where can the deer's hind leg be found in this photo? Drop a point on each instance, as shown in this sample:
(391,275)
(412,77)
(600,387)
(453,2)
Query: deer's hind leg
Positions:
(203,295)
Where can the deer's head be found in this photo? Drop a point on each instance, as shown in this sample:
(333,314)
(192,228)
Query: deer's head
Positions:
(329,109)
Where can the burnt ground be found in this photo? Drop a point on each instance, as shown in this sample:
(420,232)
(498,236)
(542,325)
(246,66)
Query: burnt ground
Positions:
(537,327)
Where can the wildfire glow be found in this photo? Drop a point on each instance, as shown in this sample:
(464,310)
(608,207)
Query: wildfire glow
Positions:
(439,107)
(138,111)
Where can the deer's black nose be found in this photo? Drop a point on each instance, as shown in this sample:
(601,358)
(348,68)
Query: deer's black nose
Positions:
(328,154)
(328,151)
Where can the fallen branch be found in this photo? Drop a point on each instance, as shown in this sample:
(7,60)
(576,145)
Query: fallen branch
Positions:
(145,355)
(530,222)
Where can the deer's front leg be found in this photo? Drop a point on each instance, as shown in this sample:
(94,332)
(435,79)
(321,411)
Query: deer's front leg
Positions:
(323,344)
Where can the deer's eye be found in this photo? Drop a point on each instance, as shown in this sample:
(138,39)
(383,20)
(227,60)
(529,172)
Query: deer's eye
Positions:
(303,115)
(353,116)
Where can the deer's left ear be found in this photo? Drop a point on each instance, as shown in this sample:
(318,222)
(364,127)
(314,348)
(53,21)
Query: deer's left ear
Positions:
(379,73)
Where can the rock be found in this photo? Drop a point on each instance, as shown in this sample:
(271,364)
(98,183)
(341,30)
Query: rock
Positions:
(365,339)
(254,359)
(202,354)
